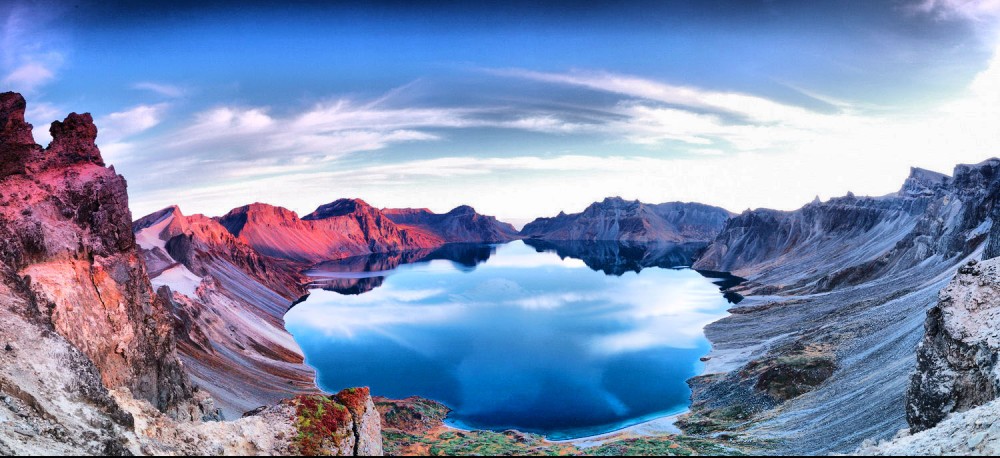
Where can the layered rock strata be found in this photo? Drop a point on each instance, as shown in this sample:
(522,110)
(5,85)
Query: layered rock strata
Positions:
(229,302)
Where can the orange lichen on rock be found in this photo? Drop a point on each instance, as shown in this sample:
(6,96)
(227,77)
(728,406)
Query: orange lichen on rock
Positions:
(355,399)
(323,425)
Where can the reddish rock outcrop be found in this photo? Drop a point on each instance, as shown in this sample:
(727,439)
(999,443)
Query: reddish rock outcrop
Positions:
(16,142)
(66,249)
(89,360)
(74,141)
(337,230)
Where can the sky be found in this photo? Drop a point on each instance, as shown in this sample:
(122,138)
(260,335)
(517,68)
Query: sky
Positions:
(519,109)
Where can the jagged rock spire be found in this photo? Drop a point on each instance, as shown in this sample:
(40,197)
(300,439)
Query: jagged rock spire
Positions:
(13,129)
(74,140)
(16,142)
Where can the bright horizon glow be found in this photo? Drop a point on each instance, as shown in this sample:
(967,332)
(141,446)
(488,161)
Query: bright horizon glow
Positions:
(520,111)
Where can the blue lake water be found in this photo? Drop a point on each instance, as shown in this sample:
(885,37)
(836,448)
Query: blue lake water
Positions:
(563,340)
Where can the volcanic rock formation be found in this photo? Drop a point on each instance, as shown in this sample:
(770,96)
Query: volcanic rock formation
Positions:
(229,301)
(344,228)
(615,219)
(951,403)
(350,227)
(88,360)
(842,284)
(957,359)
(70,262)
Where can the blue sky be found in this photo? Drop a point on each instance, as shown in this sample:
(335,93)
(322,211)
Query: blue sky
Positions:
(518,109)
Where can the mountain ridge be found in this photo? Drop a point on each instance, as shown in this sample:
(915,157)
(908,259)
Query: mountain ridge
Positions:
(829,282)
(615,219)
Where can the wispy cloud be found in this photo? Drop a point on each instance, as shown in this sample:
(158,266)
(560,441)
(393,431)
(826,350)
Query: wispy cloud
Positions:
(119,125)
(975,10)
(653,113)
(115,129)
(29,76)
(247,142)
(32,53)
(165,90)
(746,106)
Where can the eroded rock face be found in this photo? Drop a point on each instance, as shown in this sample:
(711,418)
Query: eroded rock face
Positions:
(854,275)
(615,219)
(88,361)
(73,141)
(67,250)
(230,302)
(932,215)
(16,141)
(957,359)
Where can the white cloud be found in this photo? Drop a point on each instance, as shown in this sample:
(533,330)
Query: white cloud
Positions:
(119,125)
(248,143)
(975,10)
(31,52)
(166,90)
(750,107)
(29,76)
(116,128)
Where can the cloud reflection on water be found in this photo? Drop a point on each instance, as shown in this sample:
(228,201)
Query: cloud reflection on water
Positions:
(524,340)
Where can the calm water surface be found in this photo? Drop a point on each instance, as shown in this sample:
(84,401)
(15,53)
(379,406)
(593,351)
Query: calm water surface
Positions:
(565,340)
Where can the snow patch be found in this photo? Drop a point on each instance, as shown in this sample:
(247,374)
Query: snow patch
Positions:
(149,238)
(179,279)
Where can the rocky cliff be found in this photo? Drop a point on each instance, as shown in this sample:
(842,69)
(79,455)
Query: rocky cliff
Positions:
(344,228)
(850,240)
(460,225)
(615,219)
(69,262)
(951,402)
(88,350)
(836,297)
(229,301)
(957,358)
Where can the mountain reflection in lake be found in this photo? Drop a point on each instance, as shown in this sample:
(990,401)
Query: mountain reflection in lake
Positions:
(515,336)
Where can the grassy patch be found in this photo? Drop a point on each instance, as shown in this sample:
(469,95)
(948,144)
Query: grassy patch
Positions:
(415,426)
(414,415)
